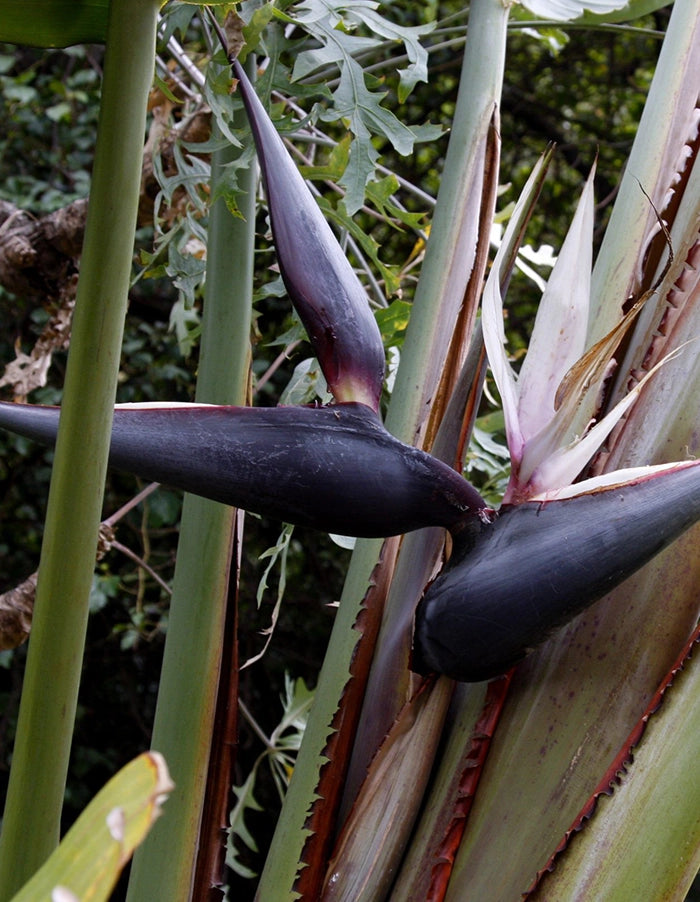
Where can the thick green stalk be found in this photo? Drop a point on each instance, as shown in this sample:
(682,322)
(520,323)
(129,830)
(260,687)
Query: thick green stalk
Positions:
(450,252)
(443,278)
(47,711)
(647,833)
(187,697)
(666,122)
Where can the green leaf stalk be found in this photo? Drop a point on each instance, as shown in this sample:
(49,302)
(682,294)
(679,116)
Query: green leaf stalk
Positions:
(49,698)
(187,696)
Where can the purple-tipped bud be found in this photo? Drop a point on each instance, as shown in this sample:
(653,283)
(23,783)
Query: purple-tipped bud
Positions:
(321,283)
(334,468)
(511,583)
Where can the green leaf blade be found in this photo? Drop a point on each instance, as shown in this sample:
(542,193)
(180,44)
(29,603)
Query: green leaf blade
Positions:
(53,23)
(94,851)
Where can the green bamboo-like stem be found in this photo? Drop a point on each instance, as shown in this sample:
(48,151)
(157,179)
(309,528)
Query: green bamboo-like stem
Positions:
(441,288)
(47,711)
(187,696)
(449,255)
(667,115)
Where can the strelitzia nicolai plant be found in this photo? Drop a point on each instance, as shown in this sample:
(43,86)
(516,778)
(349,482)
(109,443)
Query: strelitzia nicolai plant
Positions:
(475,518)
(374,486)
(577,709)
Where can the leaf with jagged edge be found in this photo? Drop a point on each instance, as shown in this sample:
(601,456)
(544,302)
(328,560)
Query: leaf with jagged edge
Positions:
(87,863)
(283,741)
(364,12)
(362,865)
(352,99)
(320,818)
(651,781)
(245,801)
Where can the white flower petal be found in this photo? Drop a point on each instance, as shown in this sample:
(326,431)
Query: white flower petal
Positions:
(492,307)
(559,336)
(566,10)
(564,465)
(495,341)
(627,476)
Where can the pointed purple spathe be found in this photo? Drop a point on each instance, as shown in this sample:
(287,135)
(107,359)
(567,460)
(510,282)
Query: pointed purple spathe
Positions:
(322,285)
(510,583)
(336,469)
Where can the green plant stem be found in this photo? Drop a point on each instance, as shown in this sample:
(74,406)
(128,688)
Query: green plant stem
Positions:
(450,252)
(187,697)
(47,712)
(668,110)
(648,832)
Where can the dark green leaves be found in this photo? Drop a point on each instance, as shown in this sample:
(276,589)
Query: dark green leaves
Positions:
(53,23)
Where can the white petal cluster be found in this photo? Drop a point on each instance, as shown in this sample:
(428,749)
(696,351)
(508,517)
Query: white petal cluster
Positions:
(567,10)
(561,380)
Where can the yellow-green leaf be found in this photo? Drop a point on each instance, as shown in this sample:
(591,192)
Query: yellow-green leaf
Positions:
(88,862)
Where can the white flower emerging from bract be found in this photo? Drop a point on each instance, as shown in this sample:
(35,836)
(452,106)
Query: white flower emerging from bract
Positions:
(560,380)
(567,10)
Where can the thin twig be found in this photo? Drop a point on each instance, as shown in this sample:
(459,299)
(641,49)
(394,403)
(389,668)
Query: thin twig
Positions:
(245,711)
(137,499)
(276,364)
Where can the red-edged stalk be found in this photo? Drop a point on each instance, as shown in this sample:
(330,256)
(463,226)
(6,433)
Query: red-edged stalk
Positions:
(510,583)
(335,469)
(322,285)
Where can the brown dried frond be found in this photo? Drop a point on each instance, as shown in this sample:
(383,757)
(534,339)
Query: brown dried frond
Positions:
(16,608)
